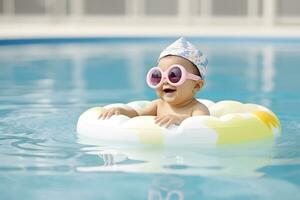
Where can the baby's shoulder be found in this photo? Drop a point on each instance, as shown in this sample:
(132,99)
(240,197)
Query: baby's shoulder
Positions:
(200,108)
(158,102)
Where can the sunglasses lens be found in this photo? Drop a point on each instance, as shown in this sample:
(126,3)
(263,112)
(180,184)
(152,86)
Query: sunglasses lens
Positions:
(155,77)
(175,74)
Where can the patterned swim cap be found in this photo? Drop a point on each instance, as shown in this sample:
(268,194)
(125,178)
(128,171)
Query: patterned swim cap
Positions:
(185,49)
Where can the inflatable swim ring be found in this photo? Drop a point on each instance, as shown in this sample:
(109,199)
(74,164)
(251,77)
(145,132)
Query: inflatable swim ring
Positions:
(230,122)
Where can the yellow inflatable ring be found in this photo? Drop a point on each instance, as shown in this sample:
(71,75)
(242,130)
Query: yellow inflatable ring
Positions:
(230,122)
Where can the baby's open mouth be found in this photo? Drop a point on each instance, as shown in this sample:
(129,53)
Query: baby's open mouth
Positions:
(168,90)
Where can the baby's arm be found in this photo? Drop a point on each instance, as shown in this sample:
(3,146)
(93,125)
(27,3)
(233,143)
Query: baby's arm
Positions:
(130,112)
(167,120)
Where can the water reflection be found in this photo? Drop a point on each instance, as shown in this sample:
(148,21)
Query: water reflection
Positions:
(44,88)
(104,72)
(166,188)
(117,72)
(230,160)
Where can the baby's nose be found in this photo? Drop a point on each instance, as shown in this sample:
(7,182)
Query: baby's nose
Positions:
(164,80)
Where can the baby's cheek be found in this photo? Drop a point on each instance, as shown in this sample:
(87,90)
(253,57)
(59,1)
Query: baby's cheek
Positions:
(185,88)
(186,92)
(158,93)
(180,93)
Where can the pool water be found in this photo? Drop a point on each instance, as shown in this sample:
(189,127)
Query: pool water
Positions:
(45,86)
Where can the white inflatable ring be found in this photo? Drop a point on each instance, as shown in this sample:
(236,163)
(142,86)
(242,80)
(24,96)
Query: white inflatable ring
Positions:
(230,122)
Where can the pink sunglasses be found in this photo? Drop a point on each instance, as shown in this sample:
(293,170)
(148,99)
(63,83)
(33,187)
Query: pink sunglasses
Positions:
(175,75)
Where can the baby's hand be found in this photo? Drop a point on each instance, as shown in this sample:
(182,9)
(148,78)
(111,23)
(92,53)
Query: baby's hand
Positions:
(167,120)
(107,113)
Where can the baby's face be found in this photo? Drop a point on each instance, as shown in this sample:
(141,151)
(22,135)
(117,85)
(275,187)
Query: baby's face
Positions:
(177,95)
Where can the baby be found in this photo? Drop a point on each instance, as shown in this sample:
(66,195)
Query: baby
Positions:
(179,75)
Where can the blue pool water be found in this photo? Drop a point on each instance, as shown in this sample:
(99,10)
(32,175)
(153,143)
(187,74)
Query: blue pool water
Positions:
(45,86)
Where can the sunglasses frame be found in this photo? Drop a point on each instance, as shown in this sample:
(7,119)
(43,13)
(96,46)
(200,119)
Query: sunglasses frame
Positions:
(165,75)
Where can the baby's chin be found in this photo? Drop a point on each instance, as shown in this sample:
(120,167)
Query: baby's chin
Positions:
(171,98)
